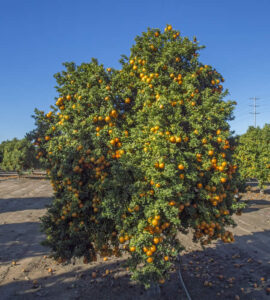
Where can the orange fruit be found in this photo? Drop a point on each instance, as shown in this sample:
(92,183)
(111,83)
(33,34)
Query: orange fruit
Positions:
(161,165)
(172,139)
(182,176)
(153,248)
(121,239)
(181,167)
(155,222)
(161,281)
(219,139)
(150,260)
(156,240)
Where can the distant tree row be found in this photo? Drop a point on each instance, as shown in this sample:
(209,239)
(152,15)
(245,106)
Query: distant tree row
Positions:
(18,155)
(253,154)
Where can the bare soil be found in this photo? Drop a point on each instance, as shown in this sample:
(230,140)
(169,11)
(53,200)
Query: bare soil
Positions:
(221,271)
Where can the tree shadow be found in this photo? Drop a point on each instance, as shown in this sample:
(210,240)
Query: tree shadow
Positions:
(226,270)
(21,204)
(254,205)
(20,240)
(221,271)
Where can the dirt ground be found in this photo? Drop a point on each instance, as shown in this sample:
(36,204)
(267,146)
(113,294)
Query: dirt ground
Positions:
(222,271)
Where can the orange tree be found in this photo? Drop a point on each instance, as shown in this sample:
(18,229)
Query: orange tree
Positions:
(253,154)
(138,154)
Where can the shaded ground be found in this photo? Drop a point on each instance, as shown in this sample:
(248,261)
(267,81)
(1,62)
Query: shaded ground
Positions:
(222,271)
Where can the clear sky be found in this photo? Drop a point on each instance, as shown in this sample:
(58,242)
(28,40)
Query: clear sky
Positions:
(36,37)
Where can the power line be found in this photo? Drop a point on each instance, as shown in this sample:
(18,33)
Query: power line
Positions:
(255,113)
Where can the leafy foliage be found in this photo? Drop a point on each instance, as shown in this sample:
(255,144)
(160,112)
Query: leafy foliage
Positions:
(18,155)
(137,155)
(253,154)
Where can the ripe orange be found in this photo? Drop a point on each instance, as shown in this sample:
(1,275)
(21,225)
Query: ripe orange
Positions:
(161,281)
(156,240)
(153,248)
(161,165)
(214,161)
(155,222)
(132,249)
(114,113)
(172,139)
(181,167)
(150,260)
(145,249)
(210,152)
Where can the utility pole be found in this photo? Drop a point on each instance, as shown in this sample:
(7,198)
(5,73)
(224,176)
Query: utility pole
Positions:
(254,109)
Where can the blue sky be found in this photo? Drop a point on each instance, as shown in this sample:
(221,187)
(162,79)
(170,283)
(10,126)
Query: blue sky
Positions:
(38,36)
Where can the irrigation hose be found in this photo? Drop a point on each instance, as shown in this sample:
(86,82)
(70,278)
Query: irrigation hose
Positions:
(182,281)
